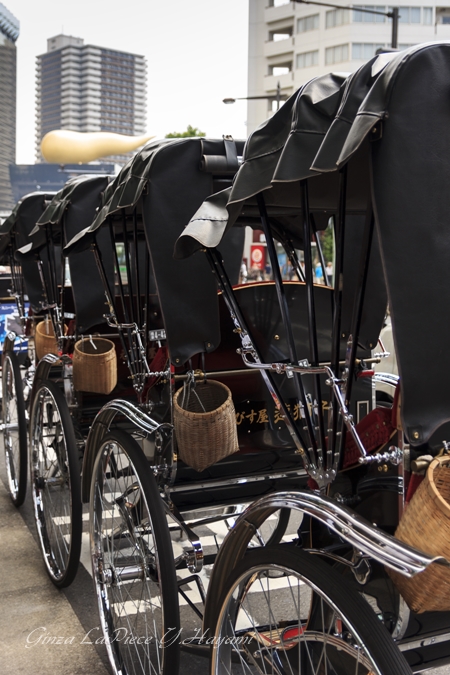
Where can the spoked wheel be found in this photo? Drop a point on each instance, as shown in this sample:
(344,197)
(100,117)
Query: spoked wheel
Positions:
(286,612)
(55,480)
(132,562)
(14,429)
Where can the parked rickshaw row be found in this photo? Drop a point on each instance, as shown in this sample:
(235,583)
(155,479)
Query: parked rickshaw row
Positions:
(150,384)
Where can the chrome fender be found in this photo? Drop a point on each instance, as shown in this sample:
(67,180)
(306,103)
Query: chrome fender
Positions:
(100,428)
(357,531)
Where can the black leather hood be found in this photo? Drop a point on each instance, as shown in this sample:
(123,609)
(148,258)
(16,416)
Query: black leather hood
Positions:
(390,129)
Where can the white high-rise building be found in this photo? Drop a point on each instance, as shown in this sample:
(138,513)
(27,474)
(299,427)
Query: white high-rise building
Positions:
(88,88)
(9,32)
(291,42)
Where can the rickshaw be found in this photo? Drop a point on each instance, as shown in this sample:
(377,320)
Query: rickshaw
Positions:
(346,595)
(73,302)
(18,344)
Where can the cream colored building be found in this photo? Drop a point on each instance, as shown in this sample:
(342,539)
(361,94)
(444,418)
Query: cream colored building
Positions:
(292,42)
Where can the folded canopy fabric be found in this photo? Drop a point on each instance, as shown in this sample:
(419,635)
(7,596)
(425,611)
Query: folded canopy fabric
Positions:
(387,124)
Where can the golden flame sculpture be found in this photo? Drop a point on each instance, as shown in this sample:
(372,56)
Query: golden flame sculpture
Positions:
(72,147)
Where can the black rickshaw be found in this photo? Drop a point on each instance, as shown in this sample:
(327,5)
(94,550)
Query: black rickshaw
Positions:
(18,347)
(346,595)
(72,306)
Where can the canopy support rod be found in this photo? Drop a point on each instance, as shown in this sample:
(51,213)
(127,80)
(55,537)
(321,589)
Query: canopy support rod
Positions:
(312,328)
(110,297)
(339,237)
(319,249)
(18,287)
(293,259)
(146,325)
(62,294)
(126,246)
(290,251)
(51,265)
(119,276)
(136,270)
(131,293)
(241,328)
(300,390)
(358,309)
(128,350)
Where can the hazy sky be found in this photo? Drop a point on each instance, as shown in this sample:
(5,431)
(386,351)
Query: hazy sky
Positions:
(196,54)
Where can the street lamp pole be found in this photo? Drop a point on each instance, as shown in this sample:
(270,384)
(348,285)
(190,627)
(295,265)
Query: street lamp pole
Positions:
(393,14)
(278,97)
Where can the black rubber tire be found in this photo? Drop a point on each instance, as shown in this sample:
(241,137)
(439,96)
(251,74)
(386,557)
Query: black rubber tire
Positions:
(278,533)
(355,640)
(135,523)
(56,491)
(16,448)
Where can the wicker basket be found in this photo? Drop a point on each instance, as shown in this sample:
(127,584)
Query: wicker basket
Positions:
(425,525)
(45,340)
(205,424)
(94,367)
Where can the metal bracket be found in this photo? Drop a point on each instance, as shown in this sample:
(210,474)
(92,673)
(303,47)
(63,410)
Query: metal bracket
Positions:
(393,456)
(195,557)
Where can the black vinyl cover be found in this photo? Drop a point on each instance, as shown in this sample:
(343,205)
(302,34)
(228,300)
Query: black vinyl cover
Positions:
(19,225)
(71,210)
(311,113)
(167,181)
(84,197)
(411,178)
(186,288)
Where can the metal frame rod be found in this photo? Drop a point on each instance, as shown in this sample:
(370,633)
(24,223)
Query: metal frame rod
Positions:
(119,277)
(293,258)
(136,262)
(338,294)
(300,391)
(223,281)
(146,325)
(128,262)
(133,340)
(51,264)
(319,249)
(111,300)
(63,282)
(311,308)
(358,309)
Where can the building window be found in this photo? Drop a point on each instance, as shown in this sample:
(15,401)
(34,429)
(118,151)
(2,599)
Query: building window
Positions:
(365,17)
(336,54)
(363,51)
(410,15)
(443,15)
(427,14)
(280,68)
(308,59)
(337,17)
(278,3)
(308,23)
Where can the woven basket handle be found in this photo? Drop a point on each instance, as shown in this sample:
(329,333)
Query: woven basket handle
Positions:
(188,389)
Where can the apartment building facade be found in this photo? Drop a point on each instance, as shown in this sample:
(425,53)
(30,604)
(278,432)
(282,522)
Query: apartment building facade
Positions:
(292,42)
(88,88)
(9,32)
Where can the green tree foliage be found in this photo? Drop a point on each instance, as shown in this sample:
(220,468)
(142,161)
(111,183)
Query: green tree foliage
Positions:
(190,131)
